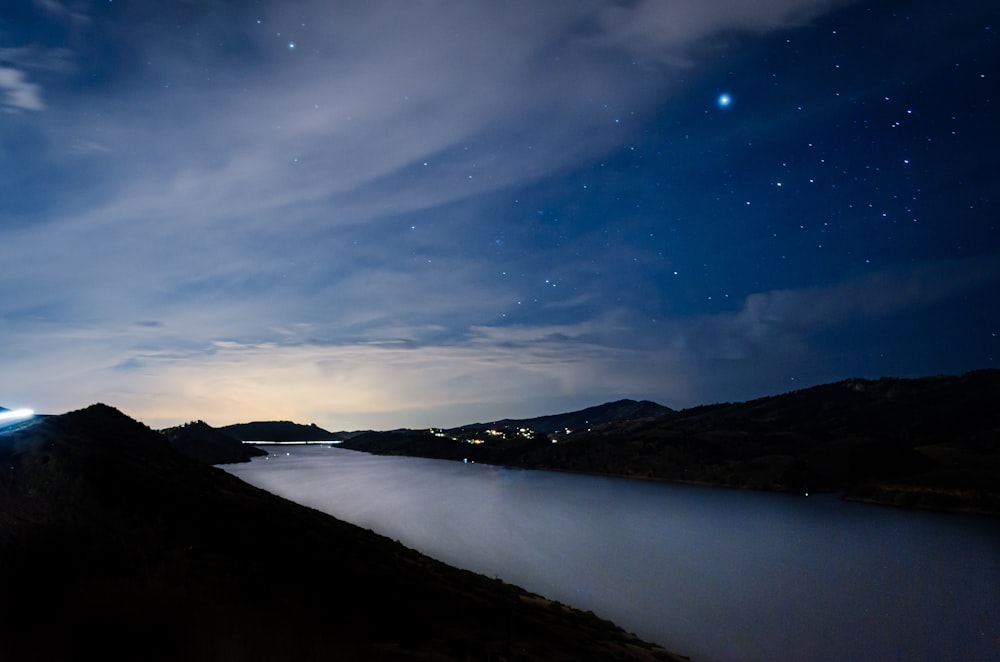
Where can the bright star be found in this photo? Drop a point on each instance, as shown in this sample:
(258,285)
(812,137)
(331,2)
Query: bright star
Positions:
(724,100)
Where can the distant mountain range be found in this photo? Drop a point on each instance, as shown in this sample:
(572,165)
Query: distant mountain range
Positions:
(497,438)
(932,442)
(286,431)
(115,546)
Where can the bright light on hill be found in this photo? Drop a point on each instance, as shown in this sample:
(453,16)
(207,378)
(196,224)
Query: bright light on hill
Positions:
(15,415)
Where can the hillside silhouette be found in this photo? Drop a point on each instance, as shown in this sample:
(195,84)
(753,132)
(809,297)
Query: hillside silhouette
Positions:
(932,442)
(202,442)
(114,546)
(279,431)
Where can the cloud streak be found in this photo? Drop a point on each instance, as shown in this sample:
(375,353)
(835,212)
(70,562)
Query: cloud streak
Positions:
(345,130)
(155,371)
(18,92)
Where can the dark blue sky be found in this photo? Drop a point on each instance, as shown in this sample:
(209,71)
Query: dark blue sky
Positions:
(427,213)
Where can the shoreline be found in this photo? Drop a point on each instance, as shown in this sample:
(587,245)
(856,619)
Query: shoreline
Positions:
(910,493)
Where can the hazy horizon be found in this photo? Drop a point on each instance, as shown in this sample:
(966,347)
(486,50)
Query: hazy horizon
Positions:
(438,423)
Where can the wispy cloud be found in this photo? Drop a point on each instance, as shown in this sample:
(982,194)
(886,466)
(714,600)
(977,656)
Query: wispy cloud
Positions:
(406,376)
(309,226)
(62,11)
(18,92)
(666,31)
(777,321)
(346,121)
(59,60)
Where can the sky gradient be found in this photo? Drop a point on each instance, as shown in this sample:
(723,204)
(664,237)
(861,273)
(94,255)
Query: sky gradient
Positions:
(384,214)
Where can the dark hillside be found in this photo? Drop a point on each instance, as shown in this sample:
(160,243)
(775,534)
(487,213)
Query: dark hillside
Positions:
(498,441)
(203,442)
(114,546)
(279,431)
(610,412)
(932,442)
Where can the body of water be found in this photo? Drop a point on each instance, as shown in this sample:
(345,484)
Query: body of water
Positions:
(711,573)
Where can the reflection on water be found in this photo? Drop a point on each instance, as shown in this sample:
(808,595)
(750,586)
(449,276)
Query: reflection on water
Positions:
(711,573)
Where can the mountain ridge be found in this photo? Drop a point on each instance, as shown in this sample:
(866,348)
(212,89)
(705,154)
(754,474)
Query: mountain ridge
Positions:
(930,442)
(279,431)
(623,409)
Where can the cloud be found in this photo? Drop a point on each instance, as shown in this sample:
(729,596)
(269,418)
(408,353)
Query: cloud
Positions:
(783,321)
(184,368)
(58,60)
(354,385)
(488,97)
(81,147)
(257,200)
(18,93)
(666,31)
(61,11)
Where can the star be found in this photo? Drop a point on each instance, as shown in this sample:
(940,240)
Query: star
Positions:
(724,100)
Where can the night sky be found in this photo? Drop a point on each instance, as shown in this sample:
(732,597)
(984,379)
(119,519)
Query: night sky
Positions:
(412,213)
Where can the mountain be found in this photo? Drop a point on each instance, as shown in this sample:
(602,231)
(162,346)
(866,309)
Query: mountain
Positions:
(493,442)
(115,546)
(279,431)
(610,412)
(417,443)
(932,442)
(202,442)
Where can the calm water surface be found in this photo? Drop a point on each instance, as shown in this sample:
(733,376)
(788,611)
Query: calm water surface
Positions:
(710,573)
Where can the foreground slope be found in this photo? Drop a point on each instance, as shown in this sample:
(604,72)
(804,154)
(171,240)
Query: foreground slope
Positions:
(115,546)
